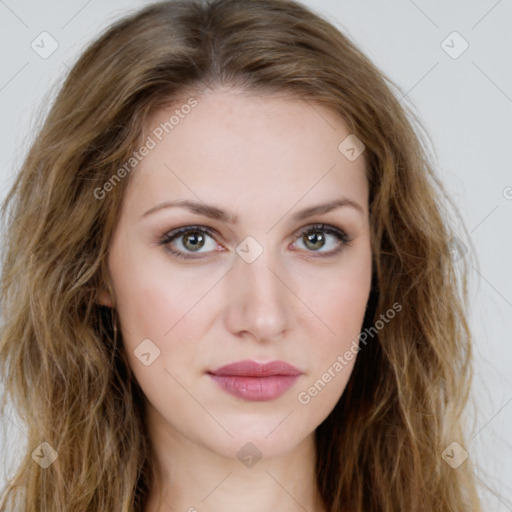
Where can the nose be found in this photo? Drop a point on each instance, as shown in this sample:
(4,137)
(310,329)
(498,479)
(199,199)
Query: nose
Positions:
(259,300)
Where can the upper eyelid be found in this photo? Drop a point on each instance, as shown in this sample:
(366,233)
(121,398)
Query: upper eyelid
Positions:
(199,227)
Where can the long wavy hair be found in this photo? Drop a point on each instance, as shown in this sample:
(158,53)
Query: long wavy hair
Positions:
(62,359)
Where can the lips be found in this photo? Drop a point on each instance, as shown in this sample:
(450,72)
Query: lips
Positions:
(248,368)
(254,381)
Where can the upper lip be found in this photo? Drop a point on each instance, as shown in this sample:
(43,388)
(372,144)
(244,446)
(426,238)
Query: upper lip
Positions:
(247,368)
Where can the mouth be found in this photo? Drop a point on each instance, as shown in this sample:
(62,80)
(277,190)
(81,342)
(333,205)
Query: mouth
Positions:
(254,381)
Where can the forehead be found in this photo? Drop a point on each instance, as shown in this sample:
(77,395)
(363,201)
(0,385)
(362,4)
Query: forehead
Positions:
(228,146)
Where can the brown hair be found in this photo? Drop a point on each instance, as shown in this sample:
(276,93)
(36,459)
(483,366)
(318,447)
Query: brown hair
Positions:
(62,364)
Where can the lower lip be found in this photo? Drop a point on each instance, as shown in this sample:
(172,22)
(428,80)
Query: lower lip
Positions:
(257,389)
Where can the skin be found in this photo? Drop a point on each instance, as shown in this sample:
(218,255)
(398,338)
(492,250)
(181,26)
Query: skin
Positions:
(262,158)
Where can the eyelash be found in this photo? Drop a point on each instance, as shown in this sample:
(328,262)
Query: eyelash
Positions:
(342,237)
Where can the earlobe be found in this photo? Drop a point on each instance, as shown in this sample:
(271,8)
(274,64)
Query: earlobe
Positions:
(103,297)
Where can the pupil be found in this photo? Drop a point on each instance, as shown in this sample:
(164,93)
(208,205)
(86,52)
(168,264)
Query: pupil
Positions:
(314,237)
(196,237)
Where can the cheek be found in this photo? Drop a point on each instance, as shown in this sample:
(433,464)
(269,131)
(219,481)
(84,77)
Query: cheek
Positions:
(340,300)
(149,299)
(343,315)
(333,354)
(158,303)
(340,308)
(345,303)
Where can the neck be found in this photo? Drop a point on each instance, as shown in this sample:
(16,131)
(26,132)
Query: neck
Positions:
(194,478)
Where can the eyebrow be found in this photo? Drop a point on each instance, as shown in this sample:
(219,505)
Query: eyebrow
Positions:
(216,213)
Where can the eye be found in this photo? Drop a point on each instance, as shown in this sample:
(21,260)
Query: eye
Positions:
(314,239)
(193,238)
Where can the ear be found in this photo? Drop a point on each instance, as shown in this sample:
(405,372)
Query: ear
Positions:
(103,297)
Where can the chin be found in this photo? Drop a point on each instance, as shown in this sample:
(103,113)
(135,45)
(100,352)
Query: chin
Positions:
(264,438)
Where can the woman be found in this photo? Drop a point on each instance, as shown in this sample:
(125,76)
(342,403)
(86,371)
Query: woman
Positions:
(313,355)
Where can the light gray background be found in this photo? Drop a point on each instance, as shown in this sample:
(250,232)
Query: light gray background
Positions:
(464,102)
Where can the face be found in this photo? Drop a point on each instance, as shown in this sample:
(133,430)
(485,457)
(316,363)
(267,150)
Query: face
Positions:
(264,283)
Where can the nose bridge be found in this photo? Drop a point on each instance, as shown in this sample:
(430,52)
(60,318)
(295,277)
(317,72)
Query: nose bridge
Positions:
(259,278)
(260,301)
